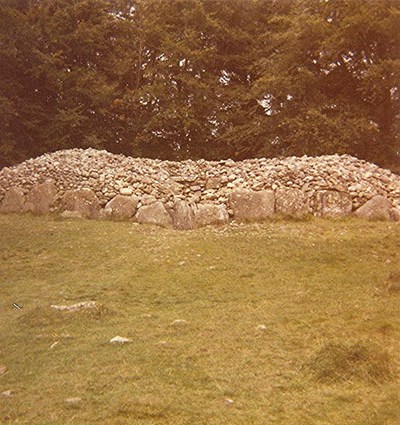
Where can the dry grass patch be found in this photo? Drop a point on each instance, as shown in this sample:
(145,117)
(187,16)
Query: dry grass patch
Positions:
(343,361)
(42,316)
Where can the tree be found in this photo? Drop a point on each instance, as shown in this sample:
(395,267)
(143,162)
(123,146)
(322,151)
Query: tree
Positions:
(200,78)
(332,83)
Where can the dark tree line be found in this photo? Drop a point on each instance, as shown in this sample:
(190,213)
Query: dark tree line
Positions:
(183,79)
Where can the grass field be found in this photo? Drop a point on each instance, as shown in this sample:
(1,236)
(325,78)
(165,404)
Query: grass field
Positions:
(327,294)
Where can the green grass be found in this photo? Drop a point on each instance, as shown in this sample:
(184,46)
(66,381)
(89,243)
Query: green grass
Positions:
(326,291)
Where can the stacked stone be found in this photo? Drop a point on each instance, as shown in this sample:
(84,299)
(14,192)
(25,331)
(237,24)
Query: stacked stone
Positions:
(72,180)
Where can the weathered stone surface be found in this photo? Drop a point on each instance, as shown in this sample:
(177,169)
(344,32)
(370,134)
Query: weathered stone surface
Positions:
(377,208)
(395,214)
(207,214)
(41,198)
(13,201)
(291,202)
(84,305)
(148,200)
(183,215)
(248,205)
(121,207)
(82,201)
(329,203)
(154,214)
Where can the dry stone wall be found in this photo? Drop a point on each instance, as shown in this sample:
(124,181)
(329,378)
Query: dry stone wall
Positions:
(183,195)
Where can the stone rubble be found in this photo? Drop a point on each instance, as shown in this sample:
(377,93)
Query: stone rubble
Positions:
(97,184)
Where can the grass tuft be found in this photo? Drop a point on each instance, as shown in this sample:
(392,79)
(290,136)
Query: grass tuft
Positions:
(342,361)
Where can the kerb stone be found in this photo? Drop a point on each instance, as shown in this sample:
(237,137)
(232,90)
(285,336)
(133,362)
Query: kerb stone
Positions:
(249,205)
(154,214)
(330,203)
(13,202)
(291,202)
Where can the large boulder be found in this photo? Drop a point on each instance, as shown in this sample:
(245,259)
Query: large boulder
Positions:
(41,198)
(250,205)
(121,207)
(377,208)
(13,201)
(208,214)
(82,201)
(183,215)
(291,202)
(154,214)
(331,203)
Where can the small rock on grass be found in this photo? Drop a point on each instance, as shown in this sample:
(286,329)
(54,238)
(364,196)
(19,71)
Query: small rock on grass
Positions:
(261,327)
(119,340)
(73,400)
(7,393)
(84,305)
(3,369)
(179,322)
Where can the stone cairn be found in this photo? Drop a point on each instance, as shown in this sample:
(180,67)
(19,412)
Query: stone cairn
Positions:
(184,195)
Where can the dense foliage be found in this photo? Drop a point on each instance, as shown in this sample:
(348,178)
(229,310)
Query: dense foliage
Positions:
(200,78)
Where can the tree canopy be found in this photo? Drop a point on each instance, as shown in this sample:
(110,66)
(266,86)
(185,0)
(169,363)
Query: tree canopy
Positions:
(196,79)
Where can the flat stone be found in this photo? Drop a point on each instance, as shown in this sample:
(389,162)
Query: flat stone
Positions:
(377,208)
(154,214)
(121,207)
(83,201)
(330,203)
(75,307)
(73,400)
(119,340)
(291,202)
(126,191)
(249,205)
(7,393)
(13,202)
(179,323)
(209,214)
(3,369)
